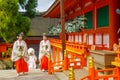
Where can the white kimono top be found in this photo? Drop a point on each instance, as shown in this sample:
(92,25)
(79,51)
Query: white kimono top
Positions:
(19,50)
(44,47)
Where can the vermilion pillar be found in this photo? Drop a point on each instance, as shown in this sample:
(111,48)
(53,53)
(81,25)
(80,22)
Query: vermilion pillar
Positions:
(94,23)
(113,21)
(63,25)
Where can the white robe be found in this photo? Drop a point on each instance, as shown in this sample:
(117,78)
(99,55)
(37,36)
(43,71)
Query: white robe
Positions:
(42,48)
(17,53)
(32,62)
(32,59)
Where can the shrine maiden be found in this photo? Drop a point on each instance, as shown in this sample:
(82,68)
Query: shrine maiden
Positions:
(19,55)
(44,50)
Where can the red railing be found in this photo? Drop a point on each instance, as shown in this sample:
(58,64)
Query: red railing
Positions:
(86,78)
(96,74)
(3,49)
(74,55)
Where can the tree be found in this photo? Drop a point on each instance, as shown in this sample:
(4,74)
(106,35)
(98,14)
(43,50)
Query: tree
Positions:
(29,6)
(11,21)
(8,15)
(23,24)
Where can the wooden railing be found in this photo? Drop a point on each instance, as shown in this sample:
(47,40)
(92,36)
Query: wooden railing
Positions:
(3,50)
(86,78)
(74,55)
(96,74)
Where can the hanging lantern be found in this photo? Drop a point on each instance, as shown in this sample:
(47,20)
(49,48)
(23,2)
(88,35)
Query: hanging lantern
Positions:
(118,11)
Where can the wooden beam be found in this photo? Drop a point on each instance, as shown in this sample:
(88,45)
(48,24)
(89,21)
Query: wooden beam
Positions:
(63,26)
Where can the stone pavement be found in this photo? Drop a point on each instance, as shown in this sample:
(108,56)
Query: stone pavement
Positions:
(79,73)
(61,76)
(35,74)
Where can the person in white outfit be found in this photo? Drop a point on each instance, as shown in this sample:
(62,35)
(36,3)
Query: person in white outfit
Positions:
(32,59)
(20,55)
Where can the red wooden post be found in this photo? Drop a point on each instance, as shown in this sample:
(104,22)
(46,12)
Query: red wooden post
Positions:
(63,25)
(113,21)
(91,69)
(49,64)
(117,64)
(65,61)
(117,73)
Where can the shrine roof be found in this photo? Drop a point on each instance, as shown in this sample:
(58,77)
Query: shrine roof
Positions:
(70,7)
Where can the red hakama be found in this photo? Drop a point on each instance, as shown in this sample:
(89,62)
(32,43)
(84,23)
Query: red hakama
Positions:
(44,63)
(21,65)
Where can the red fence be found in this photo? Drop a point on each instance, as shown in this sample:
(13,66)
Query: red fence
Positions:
(96,74)
(4,48)
(74,55)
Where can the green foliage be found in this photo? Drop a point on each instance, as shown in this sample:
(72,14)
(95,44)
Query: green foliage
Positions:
(75,25)
(3,54)
(9,52)
(11,22)
(2,65)
(23,24)
(54,30)
(8,13)
(29,6)
(6,64)
(22,3)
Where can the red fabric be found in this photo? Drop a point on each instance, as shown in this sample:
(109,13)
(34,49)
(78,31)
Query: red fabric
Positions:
(21,66)
(44,63)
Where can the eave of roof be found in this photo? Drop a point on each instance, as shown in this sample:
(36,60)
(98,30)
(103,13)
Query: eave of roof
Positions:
(56,3)
(72,8)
